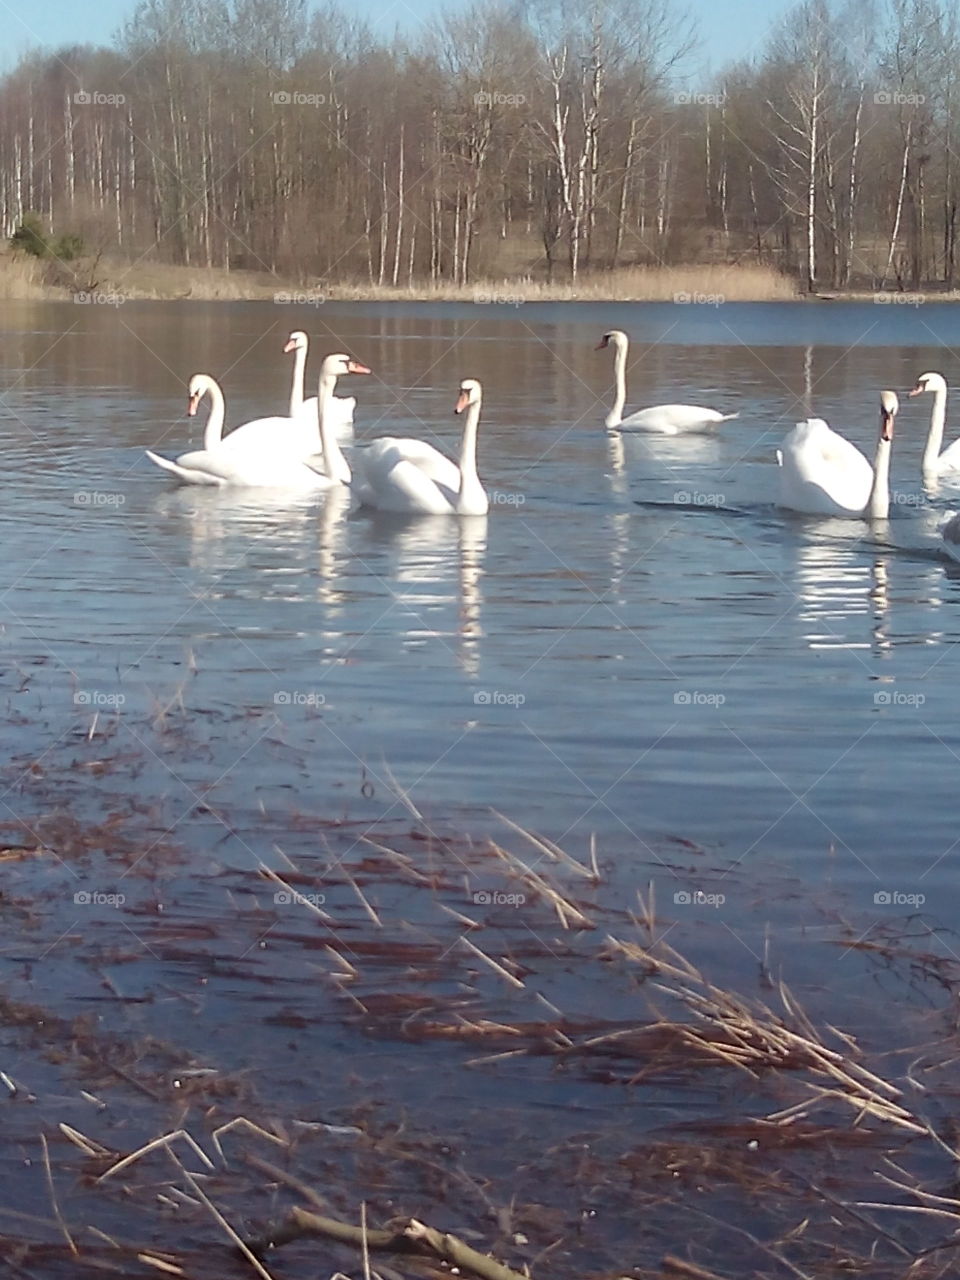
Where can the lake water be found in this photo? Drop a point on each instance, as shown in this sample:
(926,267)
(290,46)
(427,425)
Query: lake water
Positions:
(606,652)
(635,646)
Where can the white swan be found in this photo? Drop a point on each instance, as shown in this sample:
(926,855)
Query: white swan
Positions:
(934,462)
(262,453)
(243,461)
(823,474)
(412,477)
(662,419)
(340,407)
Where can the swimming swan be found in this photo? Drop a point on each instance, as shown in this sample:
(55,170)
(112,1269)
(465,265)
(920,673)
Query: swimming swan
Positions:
(410,476)
(823,474)
(662,419)
(258,454)
(934,462)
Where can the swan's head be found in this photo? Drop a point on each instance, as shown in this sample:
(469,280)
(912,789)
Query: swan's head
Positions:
(889,404)
(929,382)
(470,393)
(297,341)
(200,384)
(616,337)
(339,365)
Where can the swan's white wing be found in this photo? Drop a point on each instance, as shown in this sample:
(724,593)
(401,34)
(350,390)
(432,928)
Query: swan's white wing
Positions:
(670,419)
(267,437)
(187,473)
(407,489)
(203,466)
(822,473)
(407,476)
(433,463)
(949,460)
(340,410)
(220,466)
(387,450)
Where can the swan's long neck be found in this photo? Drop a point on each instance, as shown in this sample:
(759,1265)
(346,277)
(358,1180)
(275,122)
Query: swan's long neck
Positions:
(938,419)
(299,372)
(334,463)
(470,486)
(878,506)
(615,416)
(213,431)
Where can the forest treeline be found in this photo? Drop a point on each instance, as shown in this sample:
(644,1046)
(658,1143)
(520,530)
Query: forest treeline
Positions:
(537,137)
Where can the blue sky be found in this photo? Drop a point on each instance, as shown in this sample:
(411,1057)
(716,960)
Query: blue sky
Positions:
(728,28)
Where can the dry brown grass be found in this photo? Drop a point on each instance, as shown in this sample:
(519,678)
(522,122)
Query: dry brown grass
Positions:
(696,283)
(21,279)
(26,278)
(157,281)
(705,284)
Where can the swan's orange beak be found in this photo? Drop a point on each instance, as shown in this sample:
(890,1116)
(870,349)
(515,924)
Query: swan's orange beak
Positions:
(192,403)
(462,401)
(916,391)
(602,344)
(886,425)
(354,366)
(291,346)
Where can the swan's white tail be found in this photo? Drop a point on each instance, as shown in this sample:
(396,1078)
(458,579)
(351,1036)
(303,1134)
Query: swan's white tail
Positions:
(163,462)
(191,477)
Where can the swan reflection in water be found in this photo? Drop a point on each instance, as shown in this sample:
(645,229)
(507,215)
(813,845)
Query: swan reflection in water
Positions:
(436,563)
(307,547)
(667,461)
(839,590)
(229,527)
(617,455)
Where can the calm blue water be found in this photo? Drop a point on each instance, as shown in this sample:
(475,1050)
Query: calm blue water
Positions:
(634,646)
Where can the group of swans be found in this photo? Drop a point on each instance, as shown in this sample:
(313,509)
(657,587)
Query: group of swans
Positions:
(821,472)
(303,450)
(816,450)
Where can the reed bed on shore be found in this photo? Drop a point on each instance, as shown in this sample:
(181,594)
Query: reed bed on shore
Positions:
(23,277)
(707,284)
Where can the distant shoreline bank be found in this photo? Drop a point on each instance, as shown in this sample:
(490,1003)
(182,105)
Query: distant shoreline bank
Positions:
(113,283)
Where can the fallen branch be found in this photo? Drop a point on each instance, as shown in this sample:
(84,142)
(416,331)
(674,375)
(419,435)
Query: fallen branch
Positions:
(413,1237)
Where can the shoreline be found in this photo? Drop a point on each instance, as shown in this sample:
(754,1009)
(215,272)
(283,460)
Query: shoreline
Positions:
(114,283)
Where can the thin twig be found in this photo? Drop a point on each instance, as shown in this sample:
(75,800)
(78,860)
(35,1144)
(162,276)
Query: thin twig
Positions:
(53,1197)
